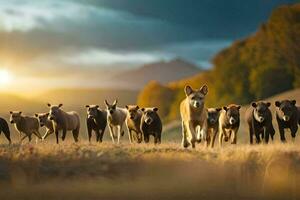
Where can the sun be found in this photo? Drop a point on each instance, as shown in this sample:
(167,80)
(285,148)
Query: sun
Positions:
(5,77)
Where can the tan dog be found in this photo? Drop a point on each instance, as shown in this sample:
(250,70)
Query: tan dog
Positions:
(65,121)
(116,118)
(25,124)
(44,121)
(193,116)
(133,122)
(229,123)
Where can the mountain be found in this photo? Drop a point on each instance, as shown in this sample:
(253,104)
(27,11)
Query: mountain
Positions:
(162,72)
(79,97)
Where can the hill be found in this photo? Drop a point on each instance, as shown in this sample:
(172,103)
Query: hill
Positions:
(163,72)
(257,67)
(81,97)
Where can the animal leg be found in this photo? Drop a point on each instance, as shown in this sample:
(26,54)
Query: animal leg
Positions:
(192,135)
(101,135)
(56,135)
(30,137)
(89,129)
(257,137)
(139,137)
(23,138)
(213,138)
(184,142)
(75,134)
(221,135)
(129,134)
(146,138)
(111,133)
(294,130)
(198,134)
(48,132)
(251,134)
(64,134)
(156,139)
(119,133)
(98,135)
(282,136)
(37,134)
(234,136)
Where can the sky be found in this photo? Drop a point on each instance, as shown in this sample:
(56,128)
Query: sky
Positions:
(51,39)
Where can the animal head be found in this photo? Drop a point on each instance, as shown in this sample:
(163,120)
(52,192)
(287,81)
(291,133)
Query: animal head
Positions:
(149,115)
(213,115)
(111,108)
(15,116)
(132,111)
(92,111)
(286,109)
(54,111)
(260,110)
(196,97)
(232,113)
(42,117)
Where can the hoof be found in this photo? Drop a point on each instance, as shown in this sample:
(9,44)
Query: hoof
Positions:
(185,144)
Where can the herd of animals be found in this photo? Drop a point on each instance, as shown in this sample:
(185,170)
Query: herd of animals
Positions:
(198,122)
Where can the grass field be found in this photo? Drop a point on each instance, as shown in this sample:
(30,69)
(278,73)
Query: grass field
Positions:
(106,171)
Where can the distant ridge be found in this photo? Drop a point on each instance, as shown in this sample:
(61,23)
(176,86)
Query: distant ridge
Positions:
(162,72)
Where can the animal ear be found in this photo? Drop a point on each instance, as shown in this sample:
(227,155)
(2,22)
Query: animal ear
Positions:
(60,105)
(188,90)
(268,104)
(48,104)
(239,107)
(143,109)
(277,103)
(87,106)
(204,89)
(11,112)
(137,107)
(106,103)
(36,114)
(225,108)
(253,104)
(155,109)
(97,106)
(294,102)
(126,107)
(115,102)
(218,109)
(20,112)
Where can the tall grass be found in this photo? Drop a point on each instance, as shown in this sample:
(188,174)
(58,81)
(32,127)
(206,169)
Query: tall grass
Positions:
(106,171)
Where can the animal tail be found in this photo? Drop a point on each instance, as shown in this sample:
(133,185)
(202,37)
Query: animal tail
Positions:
(122,133)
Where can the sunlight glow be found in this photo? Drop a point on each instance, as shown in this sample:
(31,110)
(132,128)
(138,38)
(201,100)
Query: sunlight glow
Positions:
(5,77)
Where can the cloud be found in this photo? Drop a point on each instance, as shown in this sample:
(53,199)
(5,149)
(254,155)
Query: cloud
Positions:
(61,34)
(99,57)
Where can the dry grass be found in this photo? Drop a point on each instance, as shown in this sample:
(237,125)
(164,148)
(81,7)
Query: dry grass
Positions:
(106,171)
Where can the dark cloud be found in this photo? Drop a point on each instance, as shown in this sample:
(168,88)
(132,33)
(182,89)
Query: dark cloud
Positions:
(191,29)
(210,19)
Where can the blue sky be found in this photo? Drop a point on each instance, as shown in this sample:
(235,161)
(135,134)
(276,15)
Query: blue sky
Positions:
(62,35)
